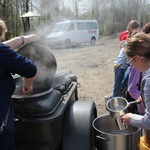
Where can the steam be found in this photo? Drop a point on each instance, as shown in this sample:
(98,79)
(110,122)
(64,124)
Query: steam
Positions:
(42,58)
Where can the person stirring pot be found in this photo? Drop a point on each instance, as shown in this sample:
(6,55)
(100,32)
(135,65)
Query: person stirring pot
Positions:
(12,62)
(138,53)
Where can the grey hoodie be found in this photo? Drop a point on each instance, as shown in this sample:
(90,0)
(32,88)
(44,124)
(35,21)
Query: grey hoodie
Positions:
(138,120)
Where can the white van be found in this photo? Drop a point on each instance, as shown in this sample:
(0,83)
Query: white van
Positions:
(72,32)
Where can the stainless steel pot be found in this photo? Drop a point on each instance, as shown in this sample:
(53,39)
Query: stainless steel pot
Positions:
(108,137)
(117,106)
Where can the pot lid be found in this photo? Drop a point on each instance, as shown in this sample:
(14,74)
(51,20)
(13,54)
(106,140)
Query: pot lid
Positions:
(42,58)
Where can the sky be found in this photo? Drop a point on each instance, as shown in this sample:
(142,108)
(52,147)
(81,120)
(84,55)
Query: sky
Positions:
(83,5)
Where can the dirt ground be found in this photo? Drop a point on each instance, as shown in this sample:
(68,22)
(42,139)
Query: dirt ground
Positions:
(93,66)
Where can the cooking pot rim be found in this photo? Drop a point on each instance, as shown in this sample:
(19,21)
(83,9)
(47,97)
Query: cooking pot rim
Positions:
(32,95)
(107,133)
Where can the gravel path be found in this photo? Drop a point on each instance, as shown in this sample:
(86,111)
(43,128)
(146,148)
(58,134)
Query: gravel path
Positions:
(93,66)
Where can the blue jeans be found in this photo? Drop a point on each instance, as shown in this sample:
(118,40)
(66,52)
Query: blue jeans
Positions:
(125,79)
(118,87)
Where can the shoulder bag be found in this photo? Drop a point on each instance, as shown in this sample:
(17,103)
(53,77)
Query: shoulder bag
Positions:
(4,123)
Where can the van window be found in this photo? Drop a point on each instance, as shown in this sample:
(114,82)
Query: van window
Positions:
(60,27)
(80,26)
(71,27)
(90,25)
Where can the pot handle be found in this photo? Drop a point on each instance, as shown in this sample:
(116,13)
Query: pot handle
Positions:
(102,138)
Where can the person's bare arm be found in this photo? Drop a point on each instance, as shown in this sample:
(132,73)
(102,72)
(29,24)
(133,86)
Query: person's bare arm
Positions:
(18,41)
(28,85)
(13,43)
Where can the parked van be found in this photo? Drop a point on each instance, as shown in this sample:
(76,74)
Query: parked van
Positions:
(72,32)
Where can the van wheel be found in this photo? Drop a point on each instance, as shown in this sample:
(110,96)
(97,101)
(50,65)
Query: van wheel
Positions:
(67,43)
(93,41)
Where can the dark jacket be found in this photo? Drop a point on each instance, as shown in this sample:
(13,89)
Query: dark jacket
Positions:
(11,62)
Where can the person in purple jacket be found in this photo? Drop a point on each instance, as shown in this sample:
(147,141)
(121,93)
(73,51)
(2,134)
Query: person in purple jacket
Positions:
(138,53)
(134,92)
(12,62)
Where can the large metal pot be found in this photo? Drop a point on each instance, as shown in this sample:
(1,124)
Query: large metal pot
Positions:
(42,102)
(108,137)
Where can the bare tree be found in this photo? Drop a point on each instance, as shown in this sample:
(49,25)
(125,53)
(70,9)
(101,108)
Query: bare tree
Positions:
(112,15)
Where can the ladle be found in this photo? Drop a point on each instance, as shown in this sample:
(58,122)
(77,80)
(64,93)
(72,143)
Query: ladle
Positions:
(117,107)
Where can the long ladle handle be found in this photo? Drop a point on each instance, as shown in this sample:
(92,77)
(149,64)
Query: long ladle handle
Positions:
(135,102)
